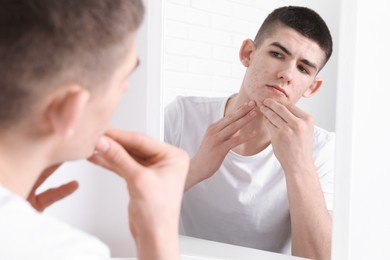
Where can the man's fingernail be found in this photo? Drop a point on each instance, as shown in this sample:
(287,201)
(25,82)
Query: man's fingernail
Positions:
(103,145)
(251,103)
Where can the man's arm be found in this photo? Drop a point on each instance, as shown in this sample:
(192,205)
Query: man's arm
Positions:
(291,131)
(220,137)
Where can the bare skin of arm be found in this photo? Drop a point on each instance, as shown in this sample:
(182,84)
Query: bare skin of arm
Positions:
(291,131)
(220,137)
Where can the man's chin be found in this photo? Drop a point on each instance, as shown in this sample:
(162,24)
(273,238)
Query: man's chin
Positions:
(280,100)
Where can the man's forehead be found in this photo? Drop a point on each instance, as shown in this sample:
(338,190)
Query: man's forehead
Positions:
(296,44)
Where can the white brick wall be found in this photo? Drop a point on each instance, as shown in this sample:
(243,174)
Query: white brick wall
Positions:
(202,42)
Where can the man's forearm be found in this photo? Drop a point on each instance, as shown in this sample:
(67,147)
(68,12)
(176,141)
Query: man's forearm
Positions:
(195,175)
(311,222)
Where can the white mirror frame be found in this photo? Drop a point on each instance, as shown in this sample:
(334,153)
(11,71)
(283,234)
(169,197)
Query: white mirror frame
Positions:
(155,46)
(344,112)
(361,224)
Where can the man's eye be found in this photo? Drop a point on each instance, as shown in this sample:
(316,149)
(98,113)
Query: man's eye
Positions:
(302,69)
(276,54)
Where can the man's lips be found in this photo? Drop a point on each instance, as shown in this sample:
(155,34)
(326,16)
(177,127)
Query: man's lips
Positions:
(278,88)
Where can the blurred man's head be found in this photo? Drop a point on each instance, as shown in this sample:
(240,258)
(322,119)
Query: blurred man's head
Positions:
(64,65)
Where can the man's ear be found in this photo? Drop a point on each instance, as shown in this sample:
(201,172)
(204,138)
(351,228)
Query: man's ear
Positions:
(247,48)
(314,87)
(65,109)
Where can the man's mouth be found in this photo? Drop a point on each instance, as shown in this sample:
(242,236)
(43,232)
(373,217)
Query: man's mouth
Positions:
(278,88)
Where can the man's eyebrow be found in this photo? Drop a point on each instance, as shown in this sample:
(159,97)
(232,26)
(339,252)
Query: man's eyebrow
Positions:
(310,64)
(285,50)
(280,46)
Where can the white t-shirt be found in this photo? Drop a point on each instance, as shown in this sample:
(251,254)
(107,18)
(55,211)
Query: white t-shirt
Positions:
(28,234)
(245,202)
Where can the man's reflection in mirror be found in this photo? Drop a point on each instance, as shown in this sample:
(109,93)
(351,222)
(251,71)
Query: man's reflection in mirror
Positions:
(261,172)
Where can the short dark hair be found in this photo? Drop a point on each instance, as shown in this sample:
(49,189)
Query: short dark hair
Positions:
(303,20)
(46,43)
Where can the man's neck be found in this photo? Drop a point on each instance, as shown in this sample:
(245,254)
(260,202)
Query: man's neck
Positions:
(261,140)
(20,165)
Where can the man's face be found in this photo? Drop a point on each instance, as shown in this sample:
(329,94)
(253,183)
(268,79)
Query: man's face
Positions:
(283,67)
(102,104)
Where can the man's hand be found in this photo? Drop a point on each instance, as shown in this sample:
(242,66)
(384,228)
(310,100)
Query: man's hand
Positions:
(155,173)
(43,200)
(291,131)
(220,137)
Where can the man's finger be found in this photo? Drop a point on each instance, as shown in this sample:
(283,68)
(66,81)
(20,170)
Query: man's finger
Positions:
(138,145)
(273,117)
(241,112)
(234,127)
(282,111)
(296,111)
(46,198)
(239,139)
(270,126)
(112,156)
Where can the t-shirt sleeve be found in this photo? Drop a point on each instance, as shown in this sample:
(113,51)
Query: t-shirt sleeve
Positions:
(172,123)
(77,245)
(324,161)
(27,234)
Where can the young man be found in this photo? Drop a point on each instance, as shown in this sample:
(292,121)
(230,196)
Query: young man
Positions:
(261,173)
(64,66)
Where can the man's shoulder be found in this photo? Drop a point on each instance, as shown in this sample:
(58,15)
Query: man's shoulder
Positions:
(199,100)
(41,235)
(196,106)
(323,140)
(323,135)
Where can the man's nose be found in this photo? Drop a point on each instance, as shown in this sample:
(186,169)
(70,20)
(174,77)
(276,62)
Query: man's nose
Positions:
(286,74)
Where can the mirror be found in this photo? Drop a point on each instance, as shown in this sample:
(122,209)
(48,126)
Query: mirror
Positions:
(202,40)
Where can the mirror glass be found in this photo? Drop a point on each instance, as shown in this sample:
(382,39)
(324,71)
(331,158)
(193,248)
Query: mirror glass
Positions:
(202,40)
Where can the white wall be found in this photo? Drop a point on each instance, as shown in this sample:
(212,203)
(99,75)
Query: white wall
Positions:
(202,42)
(362,208)
(99,207)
